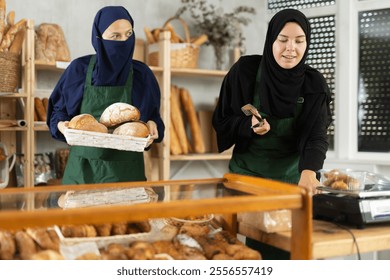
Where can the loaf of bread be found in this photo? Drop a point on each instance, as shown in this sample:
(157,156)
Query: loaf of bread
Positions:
(39,109)
(118,113)
(87,122)
(174,143)
(50,44)
(136,129)
(196,133)
(7,245)
(177,120)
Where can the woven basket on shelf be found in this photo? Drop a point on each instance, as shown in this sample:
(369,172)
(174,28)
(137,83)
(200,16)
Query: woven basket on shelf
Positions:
(183,55)
(9,71)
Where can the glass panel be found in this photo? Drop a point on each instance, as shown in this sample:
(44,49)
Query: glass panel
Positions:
(374,81)
(275,5)
(42,199)
(322,56)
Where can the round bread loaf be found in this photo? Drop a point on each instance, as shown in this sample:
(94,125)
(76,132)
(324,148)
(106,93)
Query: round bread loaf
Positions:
(87,122)
(118,113)
(136,129)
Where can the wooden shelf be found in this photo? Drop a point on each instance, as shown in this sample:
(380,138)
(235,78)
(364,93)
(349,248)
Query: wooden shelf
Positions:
(13,128)
(207,73)
(57,66)
(12,95)
(210,156)
(40,127)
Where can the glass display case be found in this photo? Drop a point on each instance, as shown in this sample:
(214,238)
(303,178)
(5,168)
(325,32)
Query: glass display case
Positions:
(137,201)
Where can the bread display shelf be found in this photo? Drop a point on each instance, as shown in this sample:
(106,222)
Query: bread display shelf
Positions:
(76,137)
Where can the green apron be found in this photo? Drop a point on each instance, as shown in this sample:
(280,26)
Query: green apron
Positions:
(273,155)
(87,165)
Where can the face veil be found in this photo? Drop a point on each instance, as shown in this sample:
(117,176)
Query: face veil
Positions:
(113,58)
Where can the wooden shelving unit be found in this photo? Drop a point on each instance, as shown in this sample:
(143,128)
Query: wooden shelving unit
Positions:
(9,103)
(164,74)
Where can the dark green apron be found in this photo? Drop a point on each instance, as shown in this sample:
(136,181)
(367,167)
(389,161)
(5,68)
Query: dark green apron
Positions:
(273,155)
(88,165)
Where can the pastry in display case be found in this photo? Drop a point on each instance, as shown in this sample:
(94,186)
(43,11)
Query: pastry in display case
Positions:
(144,220)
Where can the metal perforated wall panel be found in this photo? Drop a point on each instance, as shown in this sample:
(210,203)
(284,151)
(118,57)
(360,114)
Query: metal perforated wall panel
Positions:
(374,81)
(275,5)
(322,56)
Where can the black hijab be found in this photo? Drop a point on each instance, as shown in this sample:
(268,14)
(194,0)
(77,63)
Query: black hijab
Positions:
(280,88)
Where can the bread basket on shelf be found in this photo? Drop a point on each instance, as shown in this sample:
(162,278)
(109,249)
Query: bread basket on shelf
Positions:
(76,137)
(9,71)
(183,55)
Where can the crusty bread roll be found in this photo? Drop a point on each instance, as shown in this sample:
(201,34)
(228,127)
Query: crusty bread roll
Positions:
(136,129)
(87,122)
(7,245)
(118,113)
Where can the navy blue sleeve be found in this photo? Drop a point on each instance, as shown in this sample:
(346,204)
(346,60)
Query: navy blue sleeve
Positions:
(66,98)
(146,96)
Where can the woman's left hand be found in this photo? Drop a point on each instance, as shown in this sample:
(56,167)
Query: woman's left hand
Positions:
(152,126)
(309,180)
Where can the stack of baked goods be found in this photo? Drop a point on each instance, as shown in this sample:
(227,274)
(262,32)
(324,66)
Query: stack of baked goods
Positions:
(40,108)
(119,127)
(339,180)
(11,32)
(188,242)
(185,131)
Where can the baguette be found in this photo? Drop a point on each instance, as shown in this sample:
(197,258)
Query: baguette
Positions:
(196,133)
(177,120)
(10,21)
(40,109)
(149,36)
(174,141)
(2,19)
(45,102)
(156,34)
(10,35)
(200,40)
(17,44)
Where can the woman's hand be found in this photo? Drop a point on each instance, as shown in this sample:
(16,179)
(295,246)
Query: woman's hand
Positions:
(260,130)
(62,126)
(152,126)
(309,180)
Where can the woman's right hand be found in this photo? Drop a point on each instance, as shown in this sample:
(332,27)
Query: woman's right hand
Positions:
(260,130)
(62,126)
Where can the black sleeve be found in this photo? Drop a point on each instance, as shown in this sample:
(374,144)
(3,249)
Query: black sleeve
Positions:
(230,123)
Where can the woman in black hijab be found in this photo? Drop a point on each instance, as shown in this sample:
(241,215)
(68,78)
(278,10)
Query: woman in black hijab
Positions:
(292,97)
(293,100)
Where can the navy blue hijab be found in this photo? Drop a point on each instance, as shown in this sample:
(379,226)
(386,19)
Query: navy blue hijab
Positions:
(113,58)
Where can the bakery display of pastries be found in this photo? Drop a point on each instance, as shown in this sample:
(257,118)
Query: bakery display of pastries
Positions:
(189,242)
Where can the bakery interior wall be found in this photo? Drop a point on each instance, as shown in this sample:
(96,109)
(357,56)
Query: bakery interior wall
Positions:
(76,18)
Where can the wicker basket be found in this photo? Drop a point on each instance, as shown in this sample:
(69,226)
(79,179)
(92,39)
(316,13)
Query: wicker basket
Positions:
(183,55)
(76,137)
(9,71)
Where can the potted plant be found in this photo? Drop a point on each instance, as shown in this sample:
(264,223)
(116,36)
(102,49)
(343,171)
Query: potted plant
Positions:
(223,29)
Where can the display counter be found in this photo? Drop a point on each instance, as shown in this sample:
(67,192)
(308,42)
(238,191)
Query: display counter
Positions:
(224,197)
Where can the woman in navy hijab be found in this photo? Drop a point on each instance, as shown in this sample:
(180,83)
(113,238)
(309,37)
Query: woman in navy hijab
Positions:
(93,82)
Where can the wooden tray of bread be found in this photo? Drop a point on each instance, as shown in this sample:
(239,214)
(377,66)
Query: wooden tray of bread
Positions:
(75,137)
